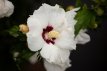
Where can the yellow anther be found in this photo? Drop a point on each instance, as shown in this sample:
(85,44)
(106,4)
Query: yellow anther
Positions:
(53,34)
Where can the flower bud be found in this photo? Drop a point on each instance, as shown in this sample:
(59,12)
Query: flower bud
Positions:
(95,26)
(99,11)
(23,28)
(69,8)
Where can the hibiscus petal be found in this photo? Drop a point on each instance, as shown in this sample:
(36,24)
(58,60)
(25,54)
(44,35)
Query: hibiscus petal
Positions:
(35,43)
(55,55)
(45,8)
(53,67)
(70,15)
(54,14)
(82,37)
(6,8)
(56,17)
(66,40)
(10,7)
(37,23)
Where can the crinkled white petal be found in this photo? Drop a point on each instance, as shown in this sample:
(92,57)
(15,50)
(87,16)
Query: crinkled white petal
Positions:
(53,67)
(45,8)
(55,14)
(55,55)
(6,8)
(82,37)
(70,15)
(57,17)
(35,43)
(36,23)
(75,9)
(66,40)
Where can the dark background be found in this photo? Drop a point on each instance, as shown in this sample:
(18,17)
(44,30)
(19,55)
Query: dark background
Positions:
(88,57)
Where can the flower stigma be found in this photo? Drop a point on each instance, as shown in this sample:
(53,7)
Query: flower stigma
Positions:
(49,35)
(53,34)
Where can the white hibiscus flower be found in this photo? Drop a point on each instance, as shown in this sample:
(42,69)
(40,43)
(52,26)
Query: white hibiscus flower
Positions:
(51,30)
(6,8)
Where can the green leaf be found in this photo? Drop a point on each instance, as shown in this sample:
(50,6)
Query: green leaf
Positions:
(26,54)
(14,31)
(93,24)
(83,18)
(99,11)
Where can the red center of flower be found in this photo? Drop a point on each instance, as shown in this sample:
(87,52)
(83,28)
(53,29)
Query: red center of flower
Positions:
(44,35)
